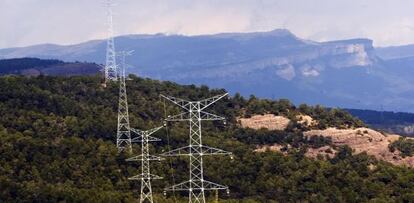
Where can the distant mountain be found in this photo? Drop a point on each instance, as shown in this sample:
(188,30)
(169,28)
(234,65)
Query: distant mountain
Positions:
(275,64)
(392,122)
(35,67)
(395,52)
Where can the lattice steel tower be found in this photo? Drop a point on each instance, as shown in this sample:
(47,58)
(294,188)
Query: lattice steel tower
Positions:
(111,68)
(145,177)
(194,114)
(123,135)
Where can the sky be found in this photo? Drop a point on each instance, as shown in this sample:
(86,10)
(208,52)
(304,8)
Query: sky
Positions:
(29,22)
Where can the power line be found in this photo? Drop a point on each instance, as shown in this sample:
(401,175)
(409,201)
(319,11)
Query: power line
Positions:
(194,114)
(167,130)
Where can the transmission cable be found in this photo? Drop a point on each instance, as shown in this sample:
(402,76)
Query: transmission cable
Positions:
(169,147)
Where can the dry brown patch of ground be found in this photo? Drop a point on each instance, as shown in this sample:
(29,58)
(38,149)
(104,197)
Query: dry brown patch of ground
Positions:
(360,139)
(306,120)
(311,152)
(364,139)
(273,148)
(325,151)
(268,121)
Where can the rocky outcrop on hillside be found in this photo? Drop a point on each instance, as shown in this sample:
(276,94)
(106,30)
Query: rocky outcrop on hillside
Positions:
(366,140)
(359,139)
(268,121)
(306,120)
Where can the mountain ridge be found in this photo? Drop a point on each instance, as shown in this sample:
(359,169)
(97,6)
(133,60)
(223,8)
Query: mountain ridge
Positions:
(345,73)
(36,67)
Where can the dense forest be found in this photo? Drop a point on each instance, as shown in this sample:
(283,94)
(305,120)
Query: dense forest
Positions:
(57,145)
(18,64)
(35,67)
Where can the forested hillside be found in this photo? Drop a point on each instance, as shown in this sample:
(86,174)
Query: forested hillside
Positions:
(36,67)
(57,145)
(393,122)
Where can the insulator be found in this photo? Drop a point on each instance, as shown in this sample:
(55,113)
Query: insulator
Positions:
(165,193)
(228,191)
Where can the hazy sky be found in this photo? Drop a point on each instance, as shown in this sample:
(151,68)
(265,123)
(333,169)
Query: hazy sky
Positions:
(28,22)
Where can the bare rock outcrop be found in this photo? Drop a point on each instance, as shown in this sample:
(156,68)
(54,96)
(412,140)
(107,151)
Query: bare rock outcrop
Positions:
(268,121)
(364,139)
(306,120)
(360,139)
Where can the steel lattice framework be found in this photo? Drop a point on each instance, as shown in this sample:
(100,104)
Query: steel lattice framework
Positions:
(111,68)
(123,135)
(194,114)
(145,177)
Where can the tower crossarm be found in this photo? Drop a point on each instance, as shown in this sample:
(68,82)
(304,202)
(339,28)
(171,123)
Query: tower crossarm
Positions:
(179,102)
(124,53)
(205,116)
(146,157)
(207,102)
(197,185)
(148,138)
(138,132)
(152,131)
(184,186)
(145,177)
(179,117)
(109,3)
(208,185)
(203,103)
(186,116)
(196,150)
(145,135)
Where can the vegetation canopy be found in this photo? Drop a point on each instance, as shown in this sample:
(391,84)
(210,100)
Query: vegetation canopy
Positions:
(57,145)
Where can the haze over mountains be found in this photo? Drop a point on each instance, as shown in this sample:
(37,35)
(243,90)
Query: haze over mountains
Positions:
(276,64)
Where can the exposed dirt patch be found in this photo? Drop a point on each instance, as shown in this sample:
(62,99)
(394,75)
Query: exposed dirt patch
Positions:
(268,121)
(325,151)
(360,139)
(306,120)
(365,139)
(274,148)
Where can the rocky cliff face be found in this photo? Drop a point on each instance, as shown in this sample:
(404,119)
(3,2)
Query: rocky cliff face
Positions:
(274,64)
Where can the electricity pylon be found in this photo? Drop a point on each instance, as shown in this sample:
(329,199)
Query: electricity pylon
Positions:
(123,135)
(194,114)
(145,177)
(111,67)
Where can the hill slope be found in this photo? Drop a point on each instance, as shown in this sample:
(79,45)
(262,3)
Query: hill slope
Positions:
(35,67)
(57,134)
